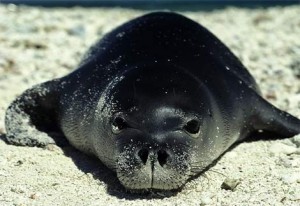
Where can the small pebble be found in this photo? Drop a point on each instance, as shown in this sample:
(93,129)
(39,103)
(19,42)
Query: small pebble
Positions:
(77,31)
(230,184)
(33,196)
(55,184)
(19,162)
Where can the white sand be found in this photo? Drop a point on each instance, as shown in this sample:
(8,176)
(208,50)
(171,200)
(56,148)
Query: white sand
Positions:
(40,44)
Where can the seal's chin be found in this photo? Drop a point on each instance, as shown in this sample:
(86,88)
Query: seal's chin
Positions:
(137,175)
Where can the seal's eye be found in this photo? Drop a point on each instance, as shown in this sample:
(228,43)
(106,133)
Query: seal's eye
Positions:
(192,127)
(118,125)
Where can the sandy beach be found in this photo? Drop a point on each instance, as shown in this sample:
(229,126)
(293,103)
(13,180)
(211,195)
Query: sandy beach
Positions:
(39,44)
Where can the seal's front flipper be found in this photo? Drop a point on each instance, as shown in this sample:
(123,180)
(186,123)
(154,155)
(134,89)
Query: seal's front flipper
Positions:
(271,119)
(30,118)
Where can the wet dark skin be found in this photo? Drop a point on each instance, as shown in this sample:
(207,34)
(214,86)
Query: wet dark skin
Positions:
(157,100)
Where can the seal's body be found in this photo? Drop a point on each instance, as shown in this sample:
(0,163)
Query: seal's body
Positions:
(158,99)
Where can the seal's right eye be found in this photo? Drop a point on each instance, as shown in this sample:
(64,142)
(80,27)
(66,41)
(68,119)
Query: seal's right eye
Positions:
(118,125)
(192,127)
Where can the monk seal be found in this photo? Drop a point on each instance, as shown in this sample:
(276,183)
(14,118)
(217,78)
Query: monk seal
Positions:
(157,100)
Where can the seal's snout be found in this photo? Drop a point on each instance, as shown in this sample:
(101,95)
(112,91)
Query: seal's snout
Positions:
(146,165)
(147,155)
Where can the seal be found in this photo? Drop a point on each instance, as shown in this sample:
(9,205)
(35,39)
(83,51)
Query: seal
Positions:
(157,100)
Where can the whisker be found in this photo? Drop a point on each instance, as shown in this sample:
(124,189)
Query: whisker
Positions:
(217,172)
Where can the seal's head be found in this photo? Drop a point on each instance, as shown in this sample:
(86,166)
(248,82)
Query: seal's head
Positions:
(158,123)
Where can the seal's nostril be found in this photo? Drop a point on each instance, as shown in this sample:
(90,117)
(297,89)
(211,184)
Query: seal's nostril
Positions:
(143,154)
(162,157)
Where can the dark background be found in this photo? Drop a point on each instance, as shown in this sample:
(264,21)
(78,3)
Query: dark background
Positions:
(155,4)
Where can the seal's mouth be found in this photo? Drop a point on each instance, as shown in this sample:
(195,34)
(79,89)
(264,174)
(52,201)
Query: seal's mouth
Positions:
(152,169)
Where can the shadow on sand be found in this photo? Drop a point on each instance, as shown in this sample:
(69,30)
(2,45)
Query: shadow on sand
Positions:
(92,165)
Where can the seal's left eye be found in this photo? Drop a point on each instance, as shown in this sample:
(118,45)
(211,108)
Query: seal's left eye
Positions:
(118,125)
(192,127)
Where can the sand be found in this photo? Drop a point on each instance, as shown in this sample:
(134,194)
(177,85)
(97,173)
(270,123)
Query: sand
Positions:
(40,44)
